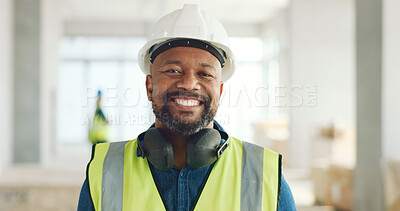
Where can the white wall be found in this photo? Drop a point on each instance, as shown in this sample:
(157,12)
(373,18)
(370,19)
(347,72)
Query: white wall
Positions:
(322,54)
(391,79)
(6,82)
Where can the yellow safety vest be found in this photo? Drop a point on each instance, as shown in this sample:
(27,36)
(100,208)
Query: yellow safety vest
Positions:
(245,177)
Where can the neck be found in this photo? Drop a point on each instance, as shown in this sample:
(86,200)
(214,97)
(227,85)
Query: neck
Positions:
(179,143)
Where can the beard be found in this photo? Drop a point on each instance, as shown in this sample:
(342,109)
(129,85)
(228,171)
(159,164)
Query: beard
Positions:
(184,127)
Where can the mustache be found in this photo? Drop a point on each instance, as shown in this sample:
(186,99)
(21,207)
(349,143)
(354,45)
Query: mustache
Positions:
(181,93)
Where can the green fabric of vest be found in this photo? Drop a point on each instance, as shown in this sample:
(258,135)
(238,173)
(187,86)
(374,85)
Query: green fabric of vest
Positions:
(245,177)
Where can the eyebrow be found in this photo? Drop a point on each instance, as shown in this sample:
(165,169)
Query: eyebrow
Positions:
(179,62)
(207,65)
(172,62)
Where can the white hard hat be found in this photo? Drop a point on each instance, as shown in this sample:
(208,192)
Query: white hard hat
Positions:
(193,27)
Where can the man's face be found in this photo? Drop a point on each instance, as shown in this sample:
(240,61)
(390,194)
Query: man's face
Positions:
(185,87)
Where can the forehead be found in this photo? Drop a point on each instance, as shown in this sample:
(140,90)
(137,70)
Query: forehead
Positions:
(187,54)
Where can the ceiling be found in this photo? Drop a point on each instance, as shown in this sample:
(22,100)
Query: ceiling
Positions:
(148,11)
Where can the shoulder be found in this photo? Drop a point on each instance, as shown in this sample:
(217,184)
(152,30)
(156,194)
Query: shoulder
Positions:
(249,152)
(100,150)
(238,142)
(107,145)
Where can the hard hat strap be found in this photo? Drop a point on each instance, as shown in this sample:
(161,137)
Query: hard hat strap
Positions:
(155,50)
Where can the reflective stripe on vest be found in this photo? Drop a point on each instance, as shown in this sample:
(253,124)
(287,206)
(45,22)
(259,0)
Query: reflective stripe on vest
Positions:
(245,177)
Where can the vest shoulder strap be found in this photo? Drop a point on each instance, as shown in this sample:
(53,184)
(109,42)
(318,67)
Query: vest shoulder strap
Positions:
(106,170)
(261,177)
(249,173)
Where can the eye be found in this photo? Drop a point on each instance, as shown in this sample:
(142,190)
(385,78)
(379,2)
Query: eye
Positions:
(172,71)
(204,74)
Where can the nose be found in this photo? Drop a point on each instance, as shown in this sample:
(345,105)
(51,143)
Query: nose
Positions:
(188,81)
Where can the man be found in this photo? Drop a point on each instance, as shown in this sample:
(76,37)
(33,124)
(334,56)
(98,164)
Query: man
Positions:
(185,161)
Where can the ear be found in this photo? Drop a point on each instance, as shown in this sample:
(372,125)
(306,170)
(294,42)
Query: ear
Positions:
(221,88)
(149,87)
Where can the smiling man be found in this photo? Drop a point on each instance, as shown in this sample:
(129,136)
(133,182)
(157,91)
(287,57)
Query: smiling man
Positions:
(185,160)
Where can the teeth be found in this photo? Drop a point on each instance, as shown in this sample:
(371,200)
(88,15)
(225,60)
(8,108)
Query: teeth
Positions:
(187,102)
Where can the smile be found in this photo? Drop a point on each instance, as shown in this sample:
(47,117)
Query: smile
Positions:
(187,102)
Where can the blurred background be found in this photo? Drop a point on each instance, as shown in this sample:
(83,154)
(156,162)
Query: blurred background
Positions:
(316,80)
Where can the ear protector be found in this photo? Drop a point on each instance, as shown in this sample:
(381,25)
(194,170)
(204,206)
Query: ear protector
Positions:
(202,149)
